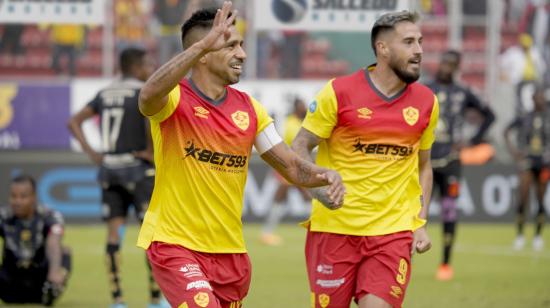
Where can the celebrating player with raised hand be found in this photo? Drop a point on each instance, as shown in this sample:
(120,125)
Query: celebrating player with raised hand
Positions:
(203,132)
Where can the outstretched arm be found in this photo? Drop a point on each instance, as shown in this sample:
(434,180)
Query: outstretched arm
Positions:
(301,172)
(421,240)
(153,95)
(474,103)
(54,253)
(303,145)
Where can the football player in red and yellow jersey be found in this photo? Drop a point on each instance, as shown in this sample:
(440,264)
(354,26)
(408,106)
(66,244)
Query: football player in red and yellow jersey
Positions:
(376,128)
(203,132)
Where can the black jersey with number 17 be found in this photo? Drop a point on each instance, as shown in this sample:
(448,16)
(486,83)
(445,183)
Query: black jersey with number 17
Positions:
(122,127)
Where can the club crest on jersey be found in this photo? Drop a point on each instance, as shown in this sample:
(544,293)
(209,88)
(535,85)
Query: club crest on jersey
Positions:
(201,112)
(241,119)
(411,114)
(364,113)
(324,300)
(202,299)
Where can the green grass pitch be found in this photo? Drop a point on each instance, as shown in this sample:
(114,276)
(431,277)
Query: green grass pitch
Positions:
(488,273)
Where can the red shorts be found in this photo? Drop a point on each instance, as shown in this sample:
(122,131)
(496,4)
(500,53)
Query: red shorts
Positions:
(195,279)
(342,267)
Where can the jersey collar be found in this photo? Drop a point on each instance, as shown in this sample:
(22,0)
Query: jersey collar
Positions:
(388,99)
(206,98)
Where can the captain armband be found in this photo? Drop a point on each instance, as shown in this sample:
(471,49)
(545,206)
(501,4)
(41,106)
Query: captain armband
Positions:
(267,139)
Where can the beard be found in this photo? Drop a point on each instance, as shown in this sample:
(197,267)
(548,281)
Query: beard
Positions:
(402,73)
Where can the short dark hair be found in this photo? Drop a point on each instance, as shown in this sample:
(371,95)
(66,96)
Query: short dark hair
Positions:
(387,22)
(452,55)
(24,178)
(130,57)
(297,102)
(203,19)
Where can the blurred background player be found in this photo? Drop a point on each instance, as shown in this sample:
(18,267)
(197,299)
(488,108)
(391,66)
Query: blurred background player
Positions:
(292,125)
(454,101)
(35,266)
(67,40)
(523,65)
(126,171)
(532,152)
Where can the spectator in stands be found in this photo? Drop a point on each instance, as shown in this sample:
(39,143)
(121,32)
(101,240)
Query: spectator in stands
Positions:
(170,15)
(523,65)
(68,40)
(434,7)
(535,21)
(130,24)
(10,42)
(35,266)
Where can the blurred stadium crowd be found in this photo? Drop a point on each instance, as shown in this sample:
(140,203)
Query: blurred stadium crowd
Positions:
(46,50)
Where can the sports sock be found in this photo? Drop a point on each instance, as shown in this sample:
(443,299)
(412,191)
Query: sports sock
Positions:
(113,267)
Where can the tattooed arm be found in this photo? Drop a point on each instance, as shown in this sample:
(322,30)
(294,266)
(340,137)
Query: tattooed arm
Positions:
(301,172)
(153,95)
(303,144)
(421,240)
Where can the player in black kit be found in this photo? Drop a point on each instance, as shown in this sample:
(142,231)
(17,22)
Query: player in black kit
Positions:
(35,266)
(126,171)
(454,101)
(532,153)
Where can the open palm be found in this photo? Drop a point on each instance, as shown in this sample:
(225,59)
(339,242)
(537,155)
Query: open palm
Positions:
(217,38)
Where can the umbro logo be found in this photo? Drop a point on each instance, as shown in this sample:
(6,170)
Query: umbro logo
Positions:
(396,291)
(201,112)
(364,113)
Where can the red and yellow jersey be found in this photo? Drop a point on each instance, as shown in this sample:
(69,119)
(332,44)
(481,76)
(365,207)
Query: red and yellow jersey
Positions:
(373,142)
(291,128)
(202,150)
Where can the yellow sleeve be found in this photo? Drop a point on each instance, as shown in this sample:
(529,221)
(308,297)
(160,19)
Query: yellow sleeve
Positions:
(169,108)
(322,113)
(291,128)
(428,137)
(261,114)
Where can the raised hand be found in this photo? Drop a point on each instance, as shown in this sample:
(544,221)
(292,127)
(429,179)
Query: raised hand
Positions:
(217,38)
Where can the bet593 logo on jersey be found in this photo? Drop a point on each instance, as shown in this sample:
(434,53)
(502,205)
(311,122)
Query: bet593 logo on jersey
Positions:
(213,157)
